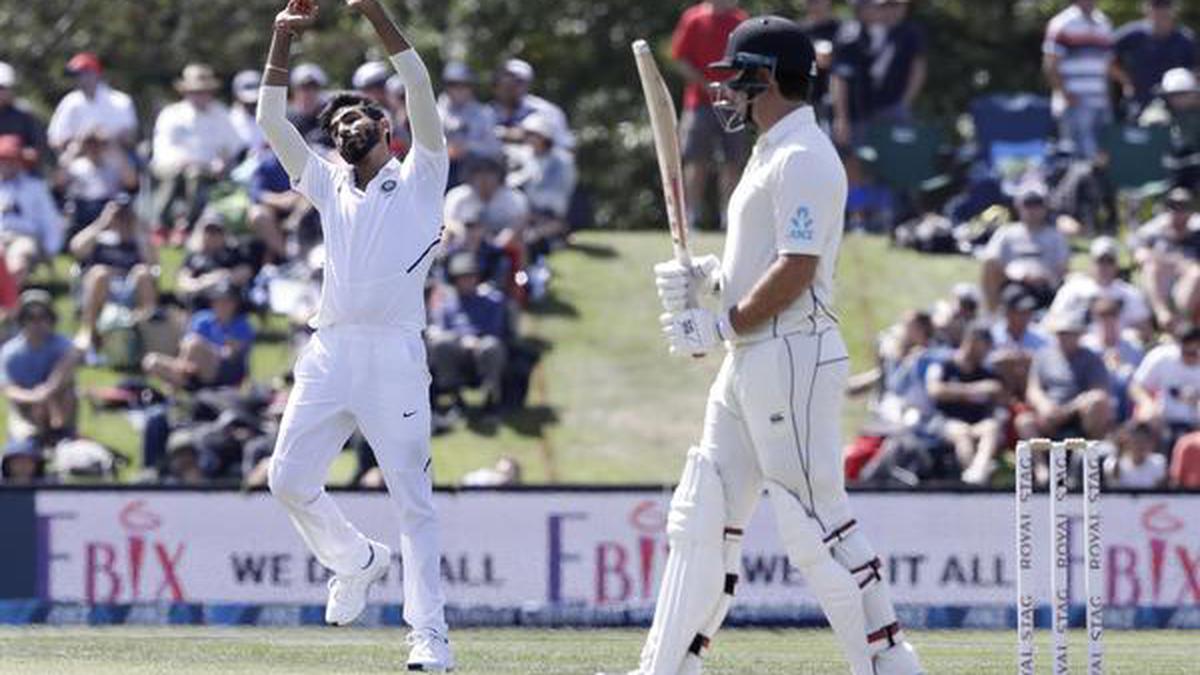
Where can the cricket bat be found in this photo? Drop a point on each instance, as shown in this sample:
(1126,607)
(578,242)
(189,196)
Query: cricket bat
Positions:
(666,145)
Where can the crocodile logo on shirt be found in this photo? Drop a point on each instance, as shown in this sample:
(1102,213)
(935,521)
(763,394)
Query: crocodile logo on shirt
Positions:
(800,228)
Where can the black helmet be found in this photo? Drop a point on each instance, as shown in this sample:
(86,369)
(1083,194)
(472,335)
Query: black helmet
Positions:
(770,42)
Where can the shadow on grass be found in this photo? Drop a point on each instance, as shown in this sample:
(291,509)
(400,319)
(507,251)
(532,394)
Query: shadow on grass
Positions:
(552,305)
(532,421)
(594,250)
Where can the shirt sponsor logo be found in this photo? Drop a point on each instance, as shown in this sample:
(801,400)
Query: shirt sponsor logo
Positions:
(800,228)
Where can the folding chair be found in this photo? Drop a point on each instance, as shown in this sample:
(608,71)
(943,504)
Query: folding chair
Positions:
(1136,164)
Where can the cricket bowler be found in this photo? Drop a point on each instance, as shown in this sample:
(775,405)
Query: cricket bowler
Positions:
(365,366)
(774,411)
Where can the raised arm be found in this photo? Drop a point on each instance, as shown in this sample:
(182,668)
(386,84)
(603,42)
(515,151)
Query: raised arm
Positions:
(284,139)
(423,114)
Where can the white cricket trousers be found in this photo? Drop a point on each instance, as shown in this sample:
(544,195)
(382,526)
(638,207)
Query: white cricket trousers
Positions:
(775,412)
(375,378)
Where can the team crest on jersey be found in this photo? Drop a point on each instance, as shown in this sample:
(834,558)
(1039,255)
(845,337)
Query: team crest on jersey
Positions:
(800,228)
(389,185)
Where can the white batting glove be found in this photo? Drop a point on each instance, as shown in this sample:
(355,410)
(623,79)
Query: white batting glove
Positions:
(695,332)
(676,283)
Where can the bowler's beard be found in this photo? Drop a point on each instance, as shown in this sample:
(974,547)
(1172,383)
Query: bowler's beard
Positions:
(355,148)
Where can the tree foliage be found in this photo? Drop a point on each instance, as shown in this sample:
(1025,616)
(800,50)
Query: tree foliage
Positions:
(579,47)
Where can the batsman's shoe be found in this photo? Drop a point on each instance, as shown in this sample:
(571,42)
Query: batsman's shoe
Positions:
(899,659)
(430,652)
(348,592)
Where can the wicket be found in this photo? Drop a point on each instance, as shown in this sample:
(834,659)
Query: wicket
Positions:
(1060,553)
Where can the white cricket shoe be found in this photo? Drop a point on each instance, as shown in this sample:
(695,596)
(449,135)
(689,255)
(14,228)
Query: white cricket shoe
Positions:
(430,651)
(348,592)
(899,659)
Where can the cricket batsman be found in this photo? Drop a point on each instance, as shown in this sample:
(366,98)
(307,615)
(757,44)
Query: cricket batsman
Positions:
(774,411)
(365,366)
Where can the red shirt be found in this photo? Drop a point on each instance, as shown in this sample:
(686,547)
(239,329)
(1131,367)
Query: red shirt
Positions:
(699,39)
(8,289)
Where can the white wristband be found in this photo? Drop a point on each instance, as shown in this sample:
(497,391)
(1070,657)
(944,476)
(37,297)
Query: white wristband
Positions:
(725,328)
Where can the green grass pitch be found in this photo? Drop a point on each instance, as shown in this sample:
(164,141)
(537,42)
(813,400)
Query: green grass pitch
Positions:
(184,650)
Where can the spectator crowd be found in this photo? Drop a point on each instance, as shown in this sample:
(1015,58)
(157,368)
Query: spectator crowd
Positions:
(96,187)
(1083,318)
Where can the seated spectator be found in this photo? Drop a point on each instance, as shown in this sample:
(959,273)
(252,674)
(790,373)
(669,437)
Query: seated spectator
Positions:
(241,113)
(504,212)
(512,103)
(469,124)
(546,175)
(967,395)
(491,260)
(1136,465)
(1185,463)
(92,106)
(194,146)
(276,209)
(23,463)
(1121,355)
(116,257)
(1016,330)
(216,350)
(1031,252)
(1080,290)
(506,472)
(92,170)
(905,359)
(1147,49)
(1166,386)
(31,228)
(39,365)
(1168,252)
(17,120)
(370,80)
(469,334)
(1178,108)
(214,261)
(1068,387)
(308,82)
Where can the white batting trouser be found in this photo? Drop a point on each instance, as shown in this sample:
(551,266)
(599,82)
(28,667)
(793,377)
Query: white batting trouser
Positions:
(374,378)
(775,412)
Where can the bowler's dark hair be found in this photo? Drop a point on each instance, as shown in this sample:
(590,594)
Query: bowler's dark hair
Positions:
(794,84)
(347,99)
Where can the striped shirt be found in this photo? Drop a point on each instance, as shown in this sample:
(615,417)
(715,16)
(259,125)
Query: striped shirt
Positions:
(1083,44)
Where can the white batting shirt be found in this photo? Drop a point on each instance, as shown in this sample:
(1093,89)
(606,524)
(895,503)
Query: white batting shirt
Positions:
(791,200)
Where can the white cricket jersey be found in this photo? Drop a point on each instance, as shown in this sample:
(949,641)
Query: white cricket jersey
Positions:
(791,200)
(379,242)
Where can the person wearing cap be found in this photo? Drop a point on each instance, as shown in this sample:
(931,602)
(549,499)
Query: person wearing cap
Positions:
(952,316)
(1146,49)
(1167,250)
(213,260)
(194,146)
(1178,108)
(469,235)
(308,83)
(1030,251)
(1068,386)
(1121,355)
(31,228)
(1166,386)
(512,102)
(698,40)
(17,119)
(1077,54)
(39,366)
(1015,328)
(93,170)
(546,176)
(241,114)
(469,333)
(366,364)
(1104,280)
(215,351)
(780,391)
(22,463)
(93,104)
(370,79)
(470,125)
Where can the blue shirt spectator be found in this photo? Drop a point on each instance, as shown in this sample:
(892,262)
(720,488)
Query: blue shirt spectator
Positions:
(480,313)
(207,325)
(26,365)
(1148,48)
(268,177)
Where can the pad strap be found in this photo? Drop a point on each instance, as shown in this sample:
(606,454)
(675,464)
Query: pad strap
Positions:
(888,633)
